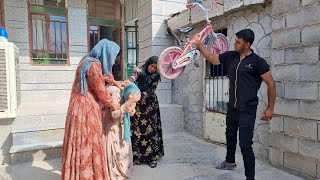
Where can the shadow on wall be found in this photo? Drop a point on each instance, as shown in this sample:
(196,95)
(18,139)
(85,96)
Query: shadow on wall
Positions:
(161,39)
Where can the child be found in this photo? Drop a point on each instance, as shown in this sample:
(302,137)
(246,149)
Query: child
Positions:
(117,124)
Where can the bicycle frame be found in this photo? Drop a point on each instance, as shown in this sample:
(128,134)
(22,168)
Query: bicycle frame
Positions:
(173,60)
(203,35)
(206,32)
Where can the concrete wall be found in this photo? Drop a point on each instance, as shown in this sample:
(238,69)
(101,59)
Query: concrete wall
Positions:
(45,87)
(5,140)
(188,91)
(145,28)
(16,19)
(189,87)
(44,83)
(152,26)
(45,90)
(131,10)
(294,141)
(153,38)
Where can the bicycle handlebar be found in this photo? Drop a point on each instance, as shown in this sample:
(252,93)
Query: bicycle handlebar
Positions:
(214,3)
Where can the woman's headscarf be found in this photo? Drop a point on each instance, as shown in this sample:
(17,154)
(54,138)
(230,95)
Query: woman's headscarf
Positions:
(130,88)
(104,52)
(146,79)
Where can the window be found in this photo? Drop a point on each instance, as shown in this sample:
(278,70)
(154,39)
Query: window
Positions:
(49,32)
(49,3)
(117,68)
(131,35)
(132,47)
(94,35)
(217,85)
(98,32)
(2,13)
(104,22)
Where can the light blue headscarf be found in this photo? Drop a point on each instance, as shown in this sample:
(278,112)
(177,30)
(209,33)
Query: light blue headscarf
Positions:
(104,52)
(130,88)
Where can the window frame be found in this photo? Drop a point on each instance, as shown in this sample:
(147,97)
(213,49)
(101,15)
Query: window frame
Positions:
(96,21)
(208,78)
(2,13)
(134,48)
(89,38)
(42,12)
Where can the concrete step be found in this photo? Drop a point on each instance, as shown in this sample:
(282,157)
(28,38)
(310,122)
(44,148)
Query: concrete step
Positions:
(42,135)
(40,116)
(35,140)
(37,152)
(38,132)
(164,91)
(34,145)
(171,118)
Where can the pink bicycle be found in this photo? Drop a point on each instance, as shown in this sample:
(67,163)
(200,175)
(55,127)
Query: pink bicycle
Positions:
(173,60)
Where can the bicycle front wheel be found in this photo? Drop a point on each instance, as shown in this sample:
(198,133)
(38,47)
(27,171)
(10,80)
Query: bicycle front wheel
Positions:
(213,45)
(165,60)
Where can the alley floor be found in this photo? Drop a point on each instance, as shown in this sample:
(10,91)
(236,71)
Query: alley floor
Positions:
(186,158)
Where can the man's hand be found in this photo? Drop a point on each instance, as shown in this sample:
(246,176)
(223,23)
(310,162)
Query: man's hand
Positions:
(268,79)
(267,115)
(213,58)
(197,42)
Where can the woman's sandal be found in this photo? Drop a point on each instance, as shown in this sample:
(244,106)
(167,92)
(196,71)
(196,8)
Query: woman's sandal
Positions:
(153,164)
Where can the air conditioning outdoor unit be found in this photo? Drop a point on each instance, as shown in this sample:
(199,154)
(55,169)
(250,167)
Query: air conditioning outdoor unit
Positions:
(9,80)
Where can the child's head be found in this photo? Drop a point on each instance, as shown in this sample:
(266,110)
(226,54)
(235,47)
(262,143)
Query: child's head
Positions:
(131,88)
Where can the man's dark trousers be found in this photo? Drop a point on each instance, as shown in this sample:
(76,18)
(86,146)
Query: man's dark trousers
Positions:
(244,120)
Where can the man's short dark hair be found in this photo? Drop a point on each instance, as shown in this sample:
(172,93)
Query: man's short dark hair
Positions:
(246,34)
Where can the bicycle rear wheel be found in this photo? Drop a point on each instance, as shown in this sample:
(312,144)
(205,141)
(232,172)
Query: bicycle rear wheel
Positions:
(165,60)
(213,44)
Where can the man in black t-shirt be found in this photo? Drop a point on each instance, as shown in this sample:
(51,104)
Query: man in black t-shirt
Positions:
(245,70)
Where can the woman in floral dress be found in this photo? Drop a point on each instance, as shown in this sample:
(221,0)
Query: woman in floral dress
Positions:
(147,143)
(83,151)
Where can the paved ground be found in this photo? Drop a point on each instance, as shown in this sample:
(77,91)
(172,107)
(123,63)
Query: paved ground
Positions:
(186,158)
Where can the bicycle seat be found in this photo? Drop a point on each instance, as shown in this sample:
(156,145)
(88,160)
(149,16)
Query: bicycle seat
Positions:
(185,30)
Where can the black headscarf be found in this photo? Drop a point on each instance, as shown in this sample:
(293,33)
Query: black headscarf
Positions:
(146,79)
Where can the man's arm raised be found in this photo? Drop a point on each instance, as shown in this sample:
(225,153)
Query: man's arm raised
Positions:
(213,58)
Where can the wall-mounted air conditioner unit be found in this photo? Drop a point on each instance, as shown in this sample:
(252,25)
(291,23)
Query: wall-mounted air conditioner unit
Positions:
(9,80)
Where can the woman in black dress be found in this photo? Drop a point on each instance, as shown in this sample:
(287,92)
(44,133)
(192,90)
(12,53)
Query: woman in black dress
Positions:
(147,143)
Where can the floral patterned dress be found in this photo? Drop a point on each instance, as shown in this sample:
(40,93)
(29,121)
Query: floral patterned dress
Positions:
(83,151)
(119,152)
(147,143)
